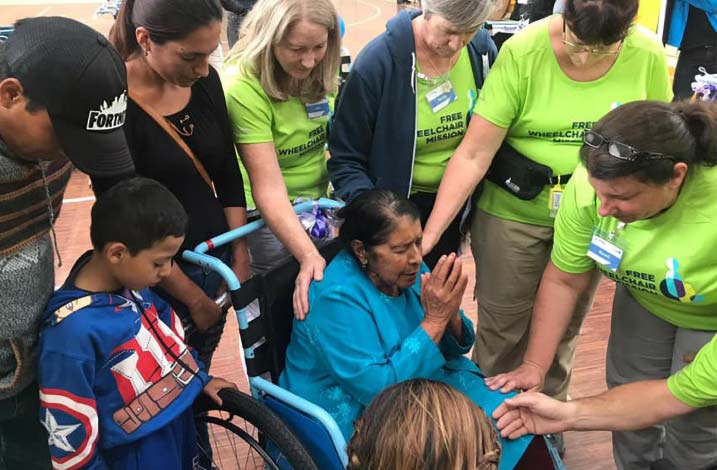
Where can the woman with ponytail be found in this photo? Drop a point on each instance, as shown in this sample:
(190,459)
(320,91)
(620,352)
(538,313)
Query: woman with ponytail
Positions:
(640,209)
(178,131)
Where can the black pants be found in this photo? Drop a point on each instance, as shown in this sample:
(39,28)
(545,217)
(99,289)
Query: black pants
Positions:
(688,66)
(450,241)
(234,21)
(23,439)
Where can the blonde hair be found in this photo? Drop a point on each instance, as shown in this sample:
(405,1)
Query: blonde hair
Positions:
(266,25)
(423,425)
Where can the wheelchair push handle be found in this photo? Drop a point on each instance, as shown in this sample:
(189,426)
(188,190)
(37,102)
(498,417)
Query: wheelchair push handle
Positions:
(245,230)
(200,257)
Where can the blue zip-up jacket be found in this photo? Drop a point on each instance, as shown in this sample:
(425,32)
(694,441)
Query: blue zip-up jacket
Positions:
(112,393)
(678,21)
(373,137)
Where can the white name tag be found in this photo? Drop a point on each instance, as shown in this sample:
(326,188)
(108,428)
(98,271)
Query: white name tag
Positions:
(441,96)
(318,109)
(605,253)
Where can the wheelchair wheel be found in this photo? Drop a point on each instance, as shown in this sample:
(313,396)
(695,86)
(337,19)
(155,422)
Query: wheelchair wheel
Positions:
(244,434)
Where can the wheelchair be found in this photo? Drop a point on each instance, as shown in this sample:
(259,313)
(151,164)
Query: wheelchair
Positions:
(243,433)
(278,428)
(5,32)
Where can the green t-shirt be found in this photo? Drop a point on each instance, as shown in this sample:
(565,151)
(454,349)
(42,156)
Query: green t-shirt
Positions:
(696,384)
(546,112)
(668,261)
(300,142)
(439,133)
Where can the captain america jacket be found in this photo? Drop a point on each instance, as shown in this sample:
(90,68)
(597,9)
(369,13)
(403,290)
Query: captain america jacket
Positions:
(113,369)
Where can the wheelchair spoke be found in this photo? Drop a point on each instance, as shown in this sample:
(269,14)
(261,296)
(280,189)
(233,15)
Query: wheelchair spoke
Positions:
(233,444)
(244,433)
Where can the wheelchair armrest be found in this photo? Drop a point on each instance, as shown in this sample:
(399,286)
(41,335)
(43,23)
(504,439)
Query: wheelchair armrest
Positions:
(310,410)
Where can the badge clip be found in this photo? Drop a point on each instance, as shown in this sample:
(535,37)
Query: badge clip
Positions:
(554,196)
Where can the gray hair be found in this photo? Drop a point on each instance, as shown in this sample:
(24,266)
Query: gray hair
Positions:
(465,15)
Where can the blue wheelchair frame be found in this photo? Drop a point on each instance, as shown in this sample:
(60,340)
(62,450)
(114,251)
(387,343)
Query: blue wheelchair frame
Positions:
(5,32)
(260,387)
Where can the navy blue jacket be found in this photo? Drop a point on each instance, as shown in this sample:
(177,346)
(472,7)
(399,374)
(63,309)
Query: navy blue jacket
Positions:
(373,137)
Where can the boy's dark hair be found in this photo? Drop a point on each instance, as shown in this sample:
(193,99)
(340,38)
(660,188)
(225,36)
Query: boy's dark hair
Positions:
(166,20)
(138,213)
(371,217)
(600,21)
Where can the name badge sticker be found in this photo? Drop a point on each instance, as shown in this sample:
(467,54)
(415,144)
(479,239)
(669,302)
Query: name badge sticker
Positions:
(441,96)
(318,109)
(606,253)
(555,195)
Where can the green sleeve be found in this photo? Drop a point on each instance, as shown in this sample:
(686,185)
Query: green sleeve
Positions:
(574,225)
(500,99)
(249,110)
(658,87)
(696,384)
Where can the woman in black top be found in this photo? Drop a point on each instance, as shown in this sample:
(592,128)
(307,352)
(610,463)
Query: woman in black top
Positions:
(166,45)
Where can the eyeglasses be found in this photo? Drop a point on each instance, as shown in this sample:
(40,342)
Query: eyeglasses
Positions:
(580,48)
(622,151)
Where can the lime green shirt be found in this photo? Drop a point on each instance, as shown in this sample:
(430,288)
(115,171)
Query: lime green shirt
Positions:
(696,384)
(300,142)
(439,133)
(546,112)
(668,261)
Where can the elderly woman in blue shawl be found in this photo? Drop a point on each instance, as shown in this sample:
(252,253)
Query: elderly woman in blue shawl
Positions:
(379,317)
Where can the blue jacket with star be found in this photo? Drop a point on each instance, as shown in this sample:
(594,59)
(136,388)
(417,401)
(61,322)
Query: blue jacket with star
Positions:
(373,135)
(110,381)
(357,341)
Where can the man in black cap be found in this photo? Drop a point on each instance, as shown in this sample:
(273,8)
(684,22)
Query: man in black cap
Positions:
(63,94)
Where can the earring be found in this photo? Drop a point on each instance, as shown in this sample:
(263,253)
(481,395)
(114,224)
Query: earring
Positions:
(145,52)
(364,264)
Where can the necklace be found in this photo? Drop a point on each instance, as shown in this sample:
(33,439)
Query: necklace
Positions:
(442,77)
(451,63)
(185,129)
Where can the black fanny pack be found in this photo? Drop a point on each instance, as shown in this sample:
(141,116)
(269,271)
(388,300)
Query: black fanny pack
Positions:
(519,175)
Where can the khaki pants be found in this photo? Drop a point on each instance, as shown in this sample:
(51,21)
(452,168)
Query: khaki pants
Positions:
(510,260)
(645,347)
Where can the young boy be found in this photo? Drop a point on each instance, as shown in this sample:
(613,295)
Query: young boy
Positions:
(117,382)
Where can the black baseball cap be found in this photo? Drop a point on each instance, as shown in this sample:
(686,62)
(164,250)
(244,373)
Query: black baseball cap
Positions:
(74,72)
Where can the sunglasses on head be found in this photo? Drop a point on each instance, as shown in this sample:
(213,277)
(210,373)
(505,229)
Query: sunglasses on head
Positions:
(619,150)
